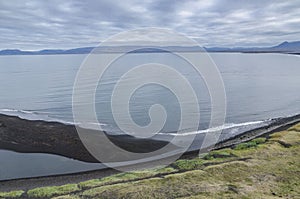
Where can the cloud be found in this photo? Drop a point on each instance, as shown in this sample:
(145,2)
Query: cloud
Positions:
(65,24)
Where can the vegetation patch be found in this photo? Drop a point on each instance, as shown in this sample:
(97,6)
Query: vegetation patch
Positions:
(186,165)
(170,186)
(117,178)
(67,197)
(260,140)
(219,154)
(47,192)
(12,194)
(229,172)
(250,144)
(286,138)
(295,128)
(124,177)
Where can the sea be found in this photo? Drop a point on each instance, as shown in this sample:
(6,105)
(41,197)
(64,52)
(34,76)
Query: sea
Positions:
(259,87)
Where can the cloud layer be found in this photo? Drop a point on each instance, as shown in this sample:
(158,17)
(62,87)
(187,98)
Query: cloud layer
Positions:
(32,25)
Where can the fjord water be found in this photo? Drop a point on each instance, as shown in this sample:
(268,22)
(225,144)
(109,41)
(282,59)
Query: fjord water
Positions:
(258,87)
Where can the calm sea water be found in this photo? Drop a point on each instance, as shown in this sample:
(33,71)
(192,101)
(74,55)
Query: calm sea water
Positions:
(258,87)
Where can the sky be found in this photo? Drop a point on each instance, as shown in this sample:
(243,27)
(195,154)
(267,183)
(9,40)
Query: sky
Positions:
(57,24)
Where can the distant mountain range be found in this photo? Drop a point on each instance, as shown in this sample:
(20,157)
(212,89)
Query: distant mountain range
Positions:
(285,47)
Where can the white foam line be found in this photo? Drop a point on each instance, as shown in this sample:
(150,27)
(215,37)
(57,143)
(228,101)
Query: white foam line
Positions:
(34,116)
(215,129)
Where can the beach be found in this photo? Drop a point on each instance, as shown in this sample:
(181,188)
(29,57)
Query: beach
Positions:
(65,135)
(28,136)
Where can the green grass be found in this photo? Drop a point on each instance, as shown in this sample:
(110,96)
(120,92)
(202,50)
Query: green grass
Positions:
(171,186)
(127,176)
(117,178)
(46,192)
(67,197)
(12,194)
(183,164)
(252,143)
(219,154)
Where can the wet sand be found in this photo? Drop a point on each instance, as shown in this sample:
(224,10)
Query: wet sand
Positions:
(27,136)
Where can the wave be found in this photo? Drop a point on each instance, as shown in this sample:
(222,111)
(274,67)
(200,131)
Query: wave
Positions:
(39,116)
(226,126)
(30,115)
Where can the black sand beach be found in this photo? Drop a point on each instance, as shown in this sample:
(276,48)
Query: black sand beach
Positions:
(27,136)
(51,137)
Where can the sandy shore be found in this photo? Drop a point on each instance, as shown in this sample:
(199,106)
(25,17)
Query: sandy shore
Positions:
(27,136)
(34,136)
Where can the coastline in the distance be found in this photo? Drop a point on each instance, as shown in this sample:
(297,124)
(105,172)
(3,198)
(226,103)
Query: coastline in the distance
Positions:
(285,47)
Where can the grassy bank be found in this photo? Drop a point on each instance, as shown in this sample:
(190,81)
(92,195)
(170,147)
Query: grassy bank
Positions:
(261,168)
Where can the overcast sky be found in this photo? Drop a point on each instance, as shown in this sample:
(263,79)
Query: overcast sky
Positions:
(32,25)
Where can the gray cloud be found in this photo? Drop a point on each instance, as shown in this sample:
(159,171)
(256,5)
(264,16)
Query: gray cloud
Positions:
(38,24)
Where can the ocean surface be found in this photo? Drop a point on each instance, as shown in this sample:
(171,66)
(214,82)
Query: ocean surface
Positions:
(259,87)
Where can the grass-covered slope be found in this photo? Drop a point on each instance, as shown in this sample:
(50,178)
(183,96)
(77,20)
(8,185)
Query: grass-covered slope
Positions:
(261,168)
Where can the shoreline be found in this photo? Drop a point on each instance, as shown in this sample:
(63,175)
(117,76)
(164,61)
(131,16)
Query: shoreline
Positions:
(279,124)
(52,137)
(37,136)
(29,183)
